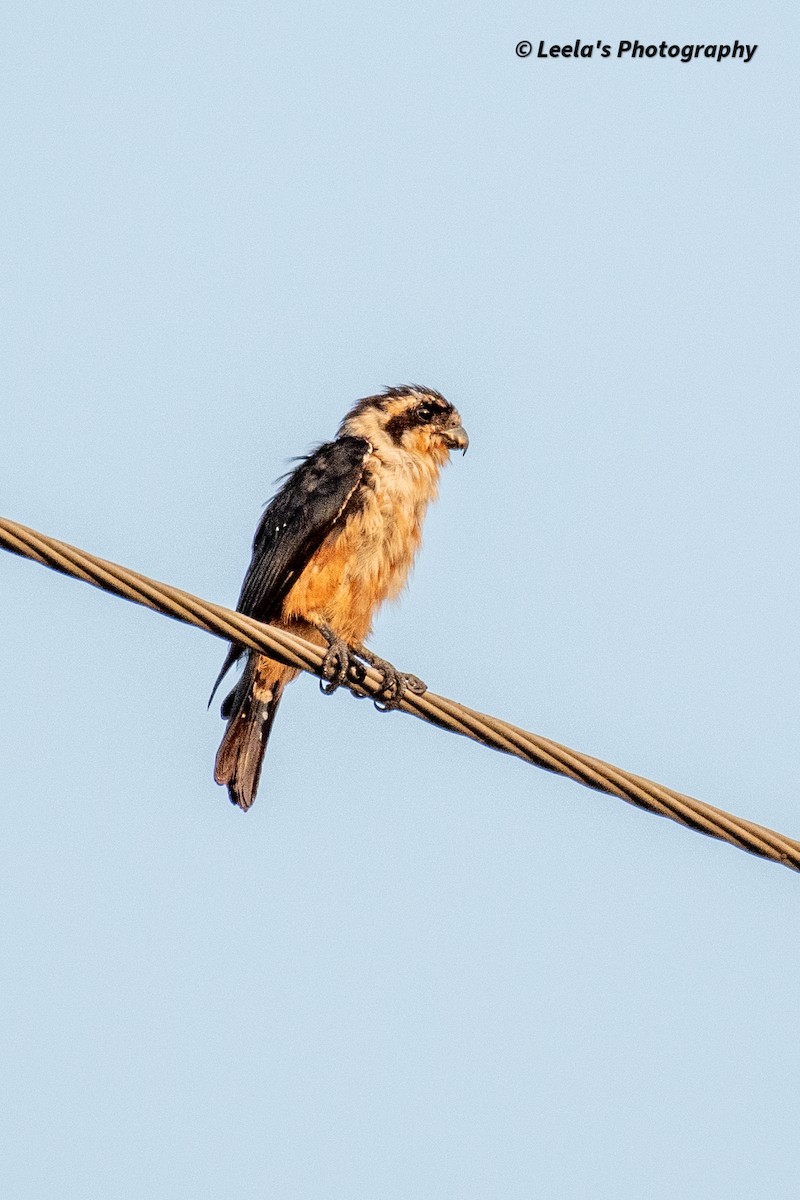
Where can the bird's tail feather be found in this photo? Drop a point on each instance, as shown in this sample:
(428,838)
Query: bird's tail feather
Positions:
(234,653)
(241,751)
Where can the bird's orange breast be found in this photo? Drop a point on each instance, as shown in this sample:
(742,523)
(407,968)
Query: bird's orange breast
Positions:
(365,560)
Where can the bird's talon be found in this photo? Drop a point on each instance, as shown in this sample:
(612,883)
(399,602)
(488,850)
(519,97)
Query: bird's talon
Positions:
(356,671)
(395,686)
(348,664)
(415,685)
(335,667)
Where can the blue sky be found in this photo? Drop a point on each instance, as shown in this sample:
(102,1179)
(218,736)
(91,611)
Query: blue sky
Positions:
(416,968)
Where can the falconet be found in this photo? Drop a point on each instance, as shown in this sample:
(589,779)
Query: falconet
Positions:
(337,540)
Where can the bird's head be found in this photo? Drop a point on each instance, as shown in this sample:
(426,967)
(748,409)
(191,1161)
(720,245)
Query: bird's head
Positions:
(414,419)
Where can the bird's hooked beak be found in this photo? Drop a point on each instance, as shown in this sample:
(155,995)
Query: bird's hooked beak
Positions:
(456,438)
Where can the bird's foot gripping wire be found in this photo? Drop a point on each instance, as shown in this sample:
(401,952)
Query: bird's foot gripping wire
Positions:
(339,664)
(344,662)
(395,683)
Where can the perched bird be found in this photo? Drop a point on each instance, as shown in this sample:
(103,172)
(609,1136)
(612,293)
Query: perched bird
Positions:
(336,540)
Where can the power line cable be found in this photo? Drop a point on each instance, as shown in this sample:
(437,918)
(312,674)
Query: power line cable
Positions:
(438,710)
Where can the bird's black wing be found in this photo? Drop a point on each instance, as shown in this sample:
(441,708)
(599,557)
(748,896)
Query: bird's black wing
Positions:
(295,523)
(297,520)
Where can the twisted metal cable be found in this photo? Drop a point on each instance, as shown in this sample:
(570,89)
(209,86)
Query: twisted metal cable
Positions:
(446,714)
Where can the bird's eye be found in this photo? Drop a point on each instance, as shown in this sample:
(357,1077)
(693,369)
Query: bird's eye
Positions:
(425,413)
